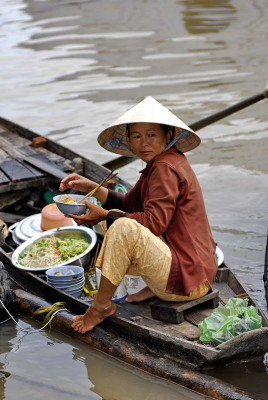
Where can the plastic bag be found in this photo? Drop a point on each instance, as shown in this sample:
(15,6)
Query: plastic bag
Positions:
(226,322)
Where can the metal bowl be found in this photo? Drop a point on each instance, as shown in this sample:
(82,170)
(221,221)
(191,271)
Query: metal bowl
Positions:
(65,208)
(81,260)
(97,229)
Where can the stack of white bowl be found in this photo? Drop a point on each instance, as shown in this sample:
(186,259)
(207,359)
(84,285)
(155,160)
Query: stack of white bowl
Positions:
(69,278)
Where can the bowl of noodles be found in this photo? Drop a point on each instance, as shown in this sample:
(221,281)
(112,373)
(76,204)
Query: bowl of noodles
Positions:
(56,247)
(69,204)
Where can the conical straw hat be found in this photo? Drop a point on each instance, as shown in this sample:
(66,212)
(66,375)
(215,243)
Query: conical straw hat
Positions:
(115,137)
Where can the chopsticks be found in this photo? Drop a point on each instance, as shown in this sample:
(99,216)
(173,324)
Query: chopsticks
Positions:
(105,180)
(94,259)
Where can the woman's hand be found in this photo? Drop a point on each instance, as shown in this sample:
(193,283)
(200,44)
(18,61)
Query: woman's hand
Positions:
(95,215)
(77,182)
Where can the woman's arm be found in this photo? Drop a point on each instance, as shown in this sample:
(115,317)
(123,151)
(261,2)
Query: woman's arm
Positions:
(78,182)
(109,198)
(128,202)
(160,203)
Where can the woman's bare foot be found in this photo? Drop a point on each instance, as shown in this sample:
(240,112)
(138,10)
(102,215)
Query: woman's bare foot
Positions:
(143,294)
(93,316)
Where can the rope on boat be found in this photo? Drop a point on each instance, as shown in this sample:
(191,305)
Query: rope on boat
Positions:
(29,331)
(48,311)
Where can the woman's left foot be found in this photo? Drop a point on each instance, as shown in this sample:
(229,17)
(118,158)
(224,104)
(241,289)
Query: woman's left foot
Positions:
(142,295)
(93,316)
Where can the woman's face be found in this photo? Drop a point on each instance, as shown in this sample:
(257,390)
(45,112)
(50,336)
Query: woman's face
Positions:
(147,140)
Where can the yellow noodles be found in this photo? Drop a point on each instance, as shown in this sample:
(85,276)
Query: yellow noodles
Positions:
(67,199)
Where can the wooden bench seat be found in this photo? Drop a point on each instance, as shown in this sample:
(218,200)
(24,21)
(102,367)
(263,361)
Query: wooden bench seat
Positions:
(174,312)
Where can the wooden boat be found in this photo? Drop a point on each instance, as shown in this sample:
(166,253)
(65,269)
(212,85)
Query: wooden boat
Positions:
(153,335)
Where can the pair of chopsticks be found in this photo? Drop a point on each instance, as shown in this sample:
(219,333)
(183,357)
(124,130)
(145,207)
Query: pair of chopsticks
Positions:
(111,175)
(94,259)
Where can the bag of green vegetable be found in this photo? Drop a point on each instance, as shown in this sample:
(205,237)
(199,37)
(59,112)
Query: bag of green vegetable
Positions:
(226,322)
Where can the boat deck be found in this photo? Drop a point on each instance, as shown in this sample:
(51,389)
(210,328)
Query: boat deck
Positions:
(15,172)
(140,313)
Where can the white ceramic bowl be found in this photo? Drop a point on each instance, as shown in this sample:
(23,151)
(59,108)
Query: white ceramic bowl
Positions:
(74,288)
(76,294)
(65,208)
(219,256)
(97,229)
(80,260)
(63,269)
(66,284)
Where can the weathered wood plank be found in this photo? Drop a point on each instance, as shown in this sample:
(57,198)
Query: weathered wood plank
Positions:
(18,147)
(10,161)
(17,144)
(16,170)
(173,312)
(7,200)
(15,156)
(10,218)
(225,292)
(48,157)
(90,169)
(222,275)
(13,138)
(3,178)
(27,184)
(196,316)
(48,167)
(142,316)
(3,155)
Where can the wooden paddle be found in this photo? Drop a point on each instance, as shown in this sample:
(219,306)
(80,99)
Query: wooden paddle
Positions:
(265,275)
(122,160)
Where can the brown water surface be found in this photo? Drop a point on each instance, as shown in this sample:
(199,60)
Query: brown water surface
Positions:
(47,365)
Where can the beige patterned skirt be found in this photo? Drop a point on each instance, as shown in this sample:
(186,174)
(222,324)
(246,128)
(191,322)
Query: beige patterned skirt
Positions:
(130,248)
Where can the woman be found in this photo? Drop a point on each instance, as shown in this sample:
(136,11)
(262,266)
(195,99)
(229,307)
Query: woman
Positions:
(162,232)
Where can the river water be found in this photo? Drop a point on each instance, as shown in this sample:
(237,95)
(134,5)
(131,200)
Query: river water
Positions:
(69,68)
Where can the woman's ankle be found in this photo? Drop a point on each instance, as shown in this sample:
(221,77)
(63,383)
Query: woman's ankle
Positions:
(102,306)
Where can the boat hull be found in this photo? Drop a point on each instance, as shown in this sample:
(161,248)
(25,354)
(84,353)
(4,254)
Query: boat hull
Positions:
(147,335)
(128,352)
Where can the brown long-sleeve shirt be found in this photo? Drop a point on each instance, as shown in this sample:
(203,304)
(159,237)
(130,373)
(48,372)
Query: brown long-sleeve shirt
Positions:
(168,200)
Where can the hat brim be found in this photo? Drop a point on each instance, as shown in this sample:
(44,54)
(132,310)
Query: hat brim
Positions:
(115,137)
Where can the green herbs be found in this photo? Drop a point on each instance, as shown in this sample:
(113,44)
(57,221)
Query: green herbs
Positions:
(52,251)
(70,248)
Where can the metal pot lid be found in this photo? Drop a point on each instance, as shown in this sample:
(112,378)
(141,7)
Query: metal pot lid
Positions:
(28,228)
(15,239)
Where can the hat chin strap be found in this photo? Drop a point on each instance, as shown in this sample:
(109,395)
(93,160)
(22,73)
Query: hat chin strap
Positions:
(172,143)
(184,133)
